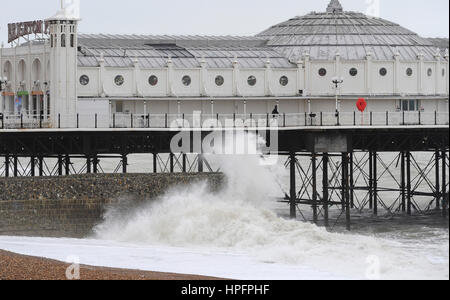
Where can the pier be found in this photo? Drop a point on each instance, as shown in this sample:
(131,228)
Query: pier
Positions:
(335,161)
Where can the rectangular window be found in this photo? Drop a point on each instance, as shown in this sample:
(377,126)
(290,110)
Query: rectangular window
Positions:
(72,40)
(410,105)
(119,107)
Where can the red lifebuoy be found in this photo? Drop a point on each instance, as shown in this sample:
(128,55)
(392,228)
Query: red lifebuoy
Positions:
(361,104)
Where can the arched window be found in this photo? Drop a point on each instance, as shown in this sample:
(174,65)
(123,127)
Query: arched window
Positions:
(63,40)
(72,40)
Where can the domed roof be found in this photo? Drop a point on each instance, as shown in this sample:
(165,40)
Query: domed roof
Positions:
(351,34)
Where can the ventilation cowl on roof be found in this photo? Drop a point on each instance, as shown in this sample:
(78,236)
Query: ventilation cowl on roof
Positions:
(334,7)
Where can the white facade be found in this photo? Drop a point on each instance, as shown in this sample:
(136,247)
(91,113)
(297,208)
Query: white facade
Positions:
(70,73)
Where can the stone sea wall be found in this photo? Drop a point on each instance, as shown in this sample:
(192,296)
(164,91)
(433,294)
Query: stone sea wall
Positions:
(71,206)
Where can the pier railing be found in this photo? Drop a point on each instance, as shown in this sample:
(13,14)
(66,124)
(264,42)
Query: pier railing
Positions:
(161,121)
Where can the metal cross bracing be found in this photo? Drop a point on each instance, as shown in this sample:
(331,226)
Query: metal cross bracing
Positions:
(327,188)
(63,165)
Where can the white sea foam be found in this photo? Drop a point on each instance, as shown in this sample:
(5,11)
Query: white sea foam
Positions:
(239,218)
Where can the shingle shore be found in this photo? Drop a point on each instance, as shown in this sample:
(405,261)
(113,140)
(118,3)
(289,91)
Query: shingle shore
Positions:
(20,267)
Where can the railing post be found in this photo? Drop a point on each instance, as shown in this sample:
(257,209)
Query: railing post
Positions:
(267,121)
(354,118)
(387,118)
(148,120)
(284,120)
(403,118)
(78,120)
(21,121)
(420,117)
(166,121)
(132,124)
(306,119)
(40,120)
(95,121)
(3,121)
(435,117)
(371,118)
(59,120)
(321,118)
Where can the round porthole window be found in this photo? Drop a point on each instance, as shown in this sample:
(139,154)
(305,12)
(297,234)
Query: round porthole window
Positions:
(84,80)
(153,80)
(409,72)
(186,80)
(119,80)
(429,72)
(322,72)
(383,71)
(353,72)
(251,81)
(219,80)
(284,81)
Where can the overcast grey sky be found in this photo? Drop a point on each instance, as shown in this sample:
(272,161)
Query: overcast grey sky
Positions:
(213,17)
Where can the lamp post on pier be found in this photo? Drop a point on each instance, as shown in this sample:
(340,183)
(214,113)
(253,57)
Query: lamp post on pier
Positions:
(337,82)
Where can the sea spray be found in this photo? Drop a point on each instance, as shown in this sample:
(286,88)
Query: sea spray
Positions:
(239,218)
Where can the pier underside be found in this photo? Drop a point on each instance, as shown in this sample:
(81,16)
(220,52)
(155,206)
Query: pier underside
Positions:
(334,171)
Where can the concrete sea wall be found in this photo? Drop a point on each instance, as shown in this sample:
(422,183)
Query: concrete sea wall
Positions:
(71,206)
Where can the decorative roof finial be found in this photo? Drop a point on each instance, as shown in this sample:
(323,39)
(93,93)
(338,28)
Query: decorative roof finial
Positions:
(334,7)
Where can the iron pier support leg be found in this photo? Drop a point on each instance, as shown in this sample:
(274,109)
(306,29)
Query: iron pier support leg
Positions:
(352,182)
(345,189)
(403,181)
(171,156)
(184,163)
(325,160)
(293,192)
(95,163)
(375,184)
(124,163)
(7,163)
(370,180)
(444,185)
(408,183)
(314,186)
(67,164)
(88,165)
(155,163)
(41,166)
(60,165)
(438,179)
(15,170)
(200,163)
(32,166)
